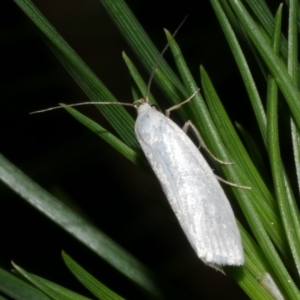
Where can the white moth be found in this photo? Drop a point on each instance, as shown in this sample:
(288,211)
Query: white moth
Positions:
(191,187)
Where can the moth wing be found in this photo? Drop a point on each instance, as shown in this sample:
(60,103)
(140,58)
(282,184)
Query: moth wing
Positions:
(192,189)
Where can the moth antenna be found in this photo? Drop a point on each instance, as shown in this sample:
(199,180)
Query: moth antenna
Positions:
(61,105)
(160,58)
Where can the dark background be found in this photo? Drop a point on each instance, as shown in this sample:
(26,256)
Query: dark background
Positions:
(70,162)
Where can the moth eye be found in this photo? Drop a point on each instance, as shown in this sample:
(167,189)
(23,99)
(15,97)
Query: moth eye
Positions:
(154,106)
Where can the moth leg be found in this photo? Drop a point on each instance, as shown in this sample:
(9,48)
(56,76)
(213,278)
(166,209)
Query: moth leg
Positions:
(201,141)
(168,111)
(203,145)
(233,184)
(190,124)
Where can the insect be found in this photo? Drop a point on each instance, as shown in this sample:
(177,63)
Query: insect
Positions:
(191,187)
(189,184)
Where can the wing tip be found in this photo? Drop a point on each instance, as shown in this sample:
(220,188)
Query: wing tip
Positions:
(217,262)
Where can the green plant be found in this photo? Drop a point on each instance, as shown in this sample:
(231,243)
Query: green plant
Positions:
(274,244)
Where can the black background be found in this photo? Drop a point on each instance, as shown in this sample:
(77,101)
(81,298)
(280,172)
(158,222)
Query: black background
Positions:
(69,161)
